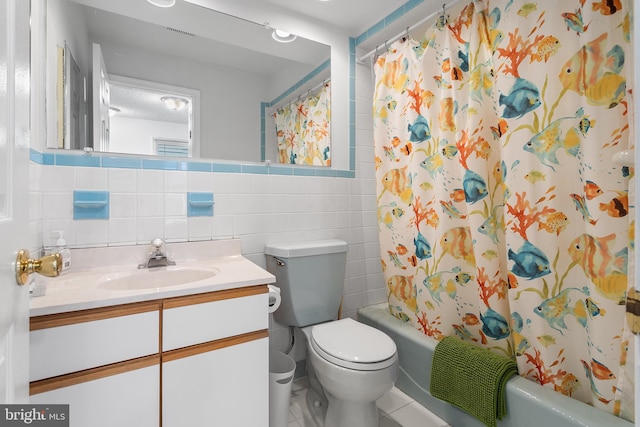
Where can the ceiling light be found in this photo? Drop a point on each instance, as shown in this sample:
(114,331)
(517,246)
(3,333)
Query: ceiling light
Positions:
(174,103)
(282,36)
(162,3)
(113,111)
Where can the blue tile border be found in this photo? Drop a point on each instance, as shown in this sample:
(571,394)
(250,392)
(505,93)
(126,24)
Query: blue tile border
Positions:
(116,162)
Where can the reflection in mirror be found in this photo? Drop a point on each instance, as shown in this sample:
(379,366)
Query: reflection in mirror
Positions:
(231,66)
(150,119)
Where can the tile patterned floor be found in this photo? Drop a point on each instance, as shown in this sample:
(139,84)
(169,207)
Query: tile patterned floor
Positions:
(396,409)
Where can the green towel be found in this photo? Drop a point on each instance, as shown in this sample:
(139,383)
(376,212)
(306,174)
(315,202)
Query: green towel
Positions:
(471,378)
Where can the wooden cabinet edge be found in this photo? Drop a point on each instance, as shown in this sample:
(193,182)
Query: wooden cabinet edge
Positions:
(67,380)
(92,314)
(224,294)
(205,347)
(101,313)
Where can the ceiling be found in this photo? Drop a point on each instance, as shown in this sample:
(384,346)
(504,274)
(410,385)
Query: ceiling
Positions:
(354,16)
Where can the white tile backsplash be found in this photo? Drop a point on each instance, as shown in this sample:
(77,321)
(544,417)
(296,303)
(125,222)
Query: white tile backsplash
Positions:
(257,209)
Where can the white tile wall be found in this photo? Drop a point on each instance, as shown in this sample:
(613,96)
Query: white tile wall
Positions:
(258,209)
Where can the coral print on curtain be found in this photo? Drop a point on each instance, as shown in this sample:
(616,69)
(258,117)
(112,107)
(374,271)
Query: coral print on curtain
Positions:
(502,218)
(304,130)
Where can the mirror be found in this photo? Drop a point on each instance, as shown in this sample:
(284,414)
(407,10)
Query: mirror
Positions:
(228,70)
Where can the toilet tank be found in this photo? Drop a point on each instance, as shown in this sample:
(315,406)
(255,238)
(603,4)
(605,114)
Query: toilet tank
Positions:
(310,276)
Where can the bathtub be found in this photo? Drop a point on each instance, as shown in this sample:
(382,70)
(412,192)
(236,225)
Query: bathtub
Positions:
(528,403)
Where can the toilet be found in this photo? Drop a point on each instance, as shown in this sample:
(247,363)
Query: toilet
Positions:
(350,364)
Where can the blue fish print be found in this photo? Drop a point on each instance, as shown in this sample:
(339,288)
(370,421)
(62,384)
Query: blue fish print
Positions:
(523,97)
(423,248)
(546,143)
(474,187)
(554,310)
(494,325)
(419,130)
(464,58)
(491,225)
(530,262)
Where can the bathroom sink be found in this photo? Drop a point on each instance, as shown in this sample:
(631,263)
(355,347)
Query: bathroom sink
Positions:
(160,277)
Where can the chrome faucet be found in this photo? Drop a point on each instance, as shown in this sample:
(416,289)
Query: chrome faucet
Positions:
(156,258)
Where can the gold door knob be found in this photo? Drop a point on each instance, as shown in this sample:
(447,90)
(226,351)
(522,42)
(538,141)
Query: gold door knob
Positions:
(50,266)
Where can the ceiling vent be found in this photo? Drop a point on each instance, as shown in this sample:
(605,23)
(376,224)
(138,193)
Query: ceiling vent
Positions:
(184,33)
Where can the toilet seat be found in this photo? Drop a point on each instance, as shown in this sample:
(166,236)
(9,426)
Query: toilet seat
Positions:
(353,345)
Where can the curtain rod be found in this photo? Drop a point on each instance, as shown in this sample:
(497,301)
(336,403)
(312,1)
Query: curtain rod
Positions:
(313,89)
(411,28)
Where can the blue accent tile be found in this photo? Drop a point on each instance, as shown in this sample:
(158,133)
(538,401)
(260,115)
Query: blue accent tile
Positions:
(393,16)
(90,204)
(226,167)
(411,4)
(376,28)
(122,162)
(48,159)
(200,204)
(326,172)
(73,160)
(303,171)
(280,170)
(345,174)
(36,156)
(257,169)
(167,165)
(195,166)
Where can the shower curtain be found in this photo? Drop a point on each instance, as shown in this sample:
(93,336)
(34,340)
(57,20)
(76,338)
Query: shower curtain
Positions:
(303,130)
(502,217)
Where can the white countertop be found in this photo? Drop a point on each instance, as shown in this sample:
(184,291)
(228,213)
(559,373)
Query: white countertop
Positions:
(80,288)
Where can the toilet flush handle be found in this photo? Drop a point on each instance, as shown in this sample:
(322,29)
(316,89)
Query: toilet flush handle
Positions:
(280,262)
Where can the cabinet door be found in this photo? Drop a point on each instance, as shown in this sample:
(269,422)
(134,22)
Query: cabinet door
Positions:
(128,399)
(221,387)
(75,341)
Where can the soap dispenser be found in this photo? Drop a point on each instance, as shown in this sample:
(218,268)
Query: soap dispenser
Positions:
(63,250)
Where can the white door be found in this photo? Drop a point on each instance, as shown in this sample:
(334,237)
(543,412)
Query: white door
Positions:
(14,196)
(101,101)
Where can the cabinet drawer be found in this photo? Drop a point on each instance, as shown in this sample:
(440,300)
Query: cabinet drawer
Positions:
(128,399)
(74,347)
(186,322)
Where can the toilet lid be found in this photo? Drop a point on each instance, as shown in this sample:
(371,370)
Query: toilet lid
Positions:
(353,345)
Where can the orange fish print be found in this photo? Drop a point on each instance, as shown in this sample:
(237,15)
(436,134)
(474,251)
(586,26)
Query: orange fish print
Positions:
(447,114)
(546,48)
(402,287)
(395,141)
(401,249)
(512,280)
(618,207)
(446,65)
(458,243)
(607,271)
(398,183)
(406,150)
(594,256)
(470,319)
(501,129)
(592,190)
(606,7)
(600,371)
(592,73)
(457,195)
(456,73)
(568,385)
(395,76)
(554,223)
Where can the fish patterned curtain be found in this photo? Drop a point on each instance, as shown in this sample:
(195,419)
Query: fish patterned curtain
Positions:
(502,217)
(303,130)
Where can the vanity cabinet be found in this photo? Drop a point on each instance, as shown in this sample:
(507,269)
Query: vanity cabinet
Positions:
(196,360)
